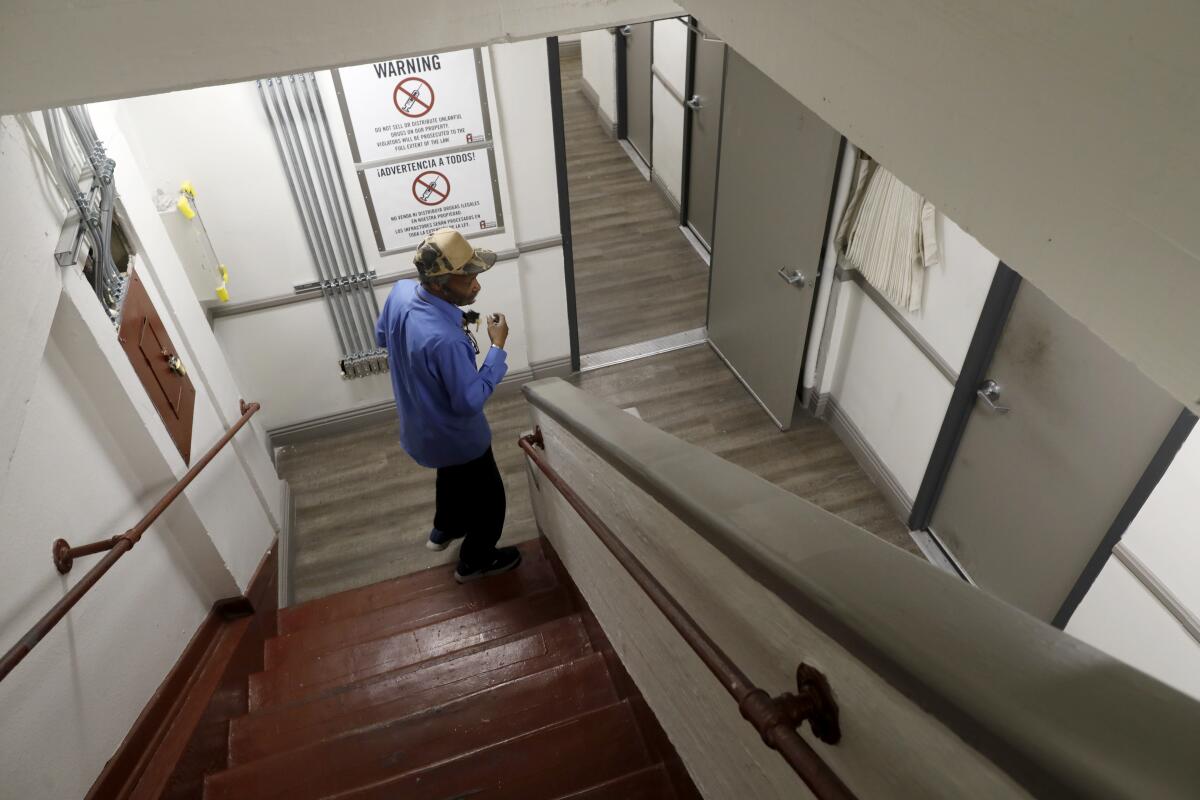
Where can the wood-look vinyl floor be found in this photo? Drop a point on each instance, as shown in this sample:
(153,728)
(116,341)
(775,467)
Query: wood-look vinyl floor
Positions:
(636,277)
(364,509)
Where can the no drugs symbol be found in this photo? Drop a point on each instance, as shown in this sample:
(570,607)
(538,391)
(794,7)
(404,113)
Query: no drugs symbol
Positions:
(431,188)
(413,97)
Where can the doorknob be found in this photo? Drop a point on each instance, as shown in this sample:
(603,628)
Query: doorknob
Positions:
(989,393)
(626,30)
(695,102)
(794,278)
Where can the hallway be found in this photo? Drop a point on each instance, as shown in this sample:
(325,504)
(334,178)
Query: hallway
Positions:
(363,508)
(636,277)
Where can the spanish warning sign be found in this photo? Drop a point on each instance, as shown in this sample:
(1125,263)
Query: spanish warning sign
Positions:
(413,104)
(411,199)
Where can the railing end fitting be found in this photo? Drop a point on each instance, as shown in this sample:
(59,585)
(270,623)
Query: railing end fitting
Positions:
(243,406)
(535,438)
(813,702)
(63,560)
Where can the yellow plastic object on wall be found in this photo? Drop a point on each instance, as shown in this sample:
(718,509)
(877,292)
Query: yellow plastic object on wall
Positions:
(185,208)
(223,289)
(187,188)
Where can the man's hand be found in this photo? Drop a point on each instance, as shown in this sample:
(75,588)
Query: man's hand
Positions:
(498,329)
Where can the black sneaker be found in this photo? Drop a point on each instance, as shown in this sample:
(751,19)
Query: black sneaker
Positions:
(440,540)
(505,559)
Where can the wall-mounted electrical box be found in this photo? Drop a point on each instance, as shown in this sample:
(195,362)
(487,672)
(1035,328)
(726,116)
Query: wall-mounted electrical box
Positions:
(180,214)
(157,364)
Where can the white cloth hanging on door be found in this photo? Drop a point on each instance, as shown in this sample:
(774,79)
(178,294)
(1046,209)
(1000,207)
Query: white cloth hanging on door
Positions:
(889,235)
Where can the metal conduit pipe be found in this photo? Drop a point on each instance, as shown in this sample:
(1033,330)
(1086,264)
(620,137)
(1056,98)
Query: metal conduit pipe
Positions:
(362,258)
(360,283)
(272,110)
(356,264)
(325,178)
(361,338)
(308,237)
(336,253)
(96,207)
(308,192)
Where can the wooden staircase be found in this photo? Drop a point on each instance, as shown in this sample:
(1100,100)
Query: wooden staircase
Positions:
(421,688)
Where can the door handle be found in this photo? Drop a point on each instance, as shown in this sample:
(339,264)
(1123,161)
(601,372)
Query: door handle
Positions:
(626,30)
(695,102)
(794,278)
(989,393)
(175,364)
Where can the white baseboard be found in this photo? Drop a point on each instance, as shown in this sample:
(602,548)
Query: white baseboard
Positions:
(825,406)
(606,124)
(664,190)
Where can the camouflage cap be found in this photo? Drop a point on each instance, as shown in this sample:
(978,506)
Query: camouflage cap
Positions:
(447,252)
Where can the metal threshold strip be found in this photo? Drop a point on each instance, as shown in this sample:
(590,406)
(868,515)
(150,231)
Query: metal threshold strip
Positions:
(651,347)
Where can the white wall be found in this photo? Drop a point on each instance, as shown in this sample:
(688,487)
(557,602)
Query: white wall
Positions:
(219,138)
(598,52)
(898,399)
(83,686)
(889,388)
(85,456)
(670,61)
(1120,615)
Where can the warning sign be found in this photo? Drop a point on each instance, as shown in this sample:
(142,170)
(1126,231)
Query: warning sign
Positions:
(413,104)
(411,199)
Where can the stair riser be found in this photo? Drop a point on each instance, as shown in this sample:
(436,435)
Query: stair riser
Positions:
(400,694)
(341,667)
(375,754)
(452,600)
(648,784)
(589,750)
(354,602)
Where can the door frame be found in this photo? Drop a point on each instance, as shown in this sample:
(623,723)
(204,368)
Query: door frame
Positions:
(993,320)
(1129,510)
(712,245)
(564,197)
(826,243)
(689,87)
(623,92)
(988,331)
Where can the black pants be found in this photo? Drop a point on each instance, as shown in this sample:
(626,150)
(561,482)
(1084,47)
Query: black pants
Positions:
(470,501)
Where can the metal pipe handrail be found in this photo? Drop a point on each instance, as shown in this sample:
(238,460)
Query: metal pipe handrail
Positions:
(117,547)
(775,718)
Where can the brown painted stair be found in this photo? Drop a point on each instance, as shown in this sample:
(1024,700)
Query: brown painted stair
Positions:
(421,688)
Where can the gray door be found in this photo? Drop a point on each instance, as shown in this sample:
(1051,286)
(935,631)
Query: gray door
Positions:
(777,168)
(639,55)
(1033,490)
(704,118)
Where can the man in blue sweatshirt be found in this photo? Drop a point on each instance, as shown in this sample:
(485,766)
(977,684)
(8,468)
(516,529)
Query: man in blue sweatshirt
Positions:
(440,394)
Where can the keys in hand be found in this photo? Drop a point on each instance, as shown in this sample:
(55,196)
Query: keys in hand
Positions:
(497,329)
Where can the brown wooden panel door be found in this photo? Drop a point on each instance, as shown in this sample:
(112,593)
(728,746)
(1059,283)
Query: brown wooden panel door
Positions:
(158,365)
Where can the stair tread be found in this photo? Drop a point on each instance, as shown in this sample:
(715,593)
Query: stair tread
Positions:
(449,600)
(594,747)
(651,783)
(427,737)
(336,668)
(364,599)
(398,693)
